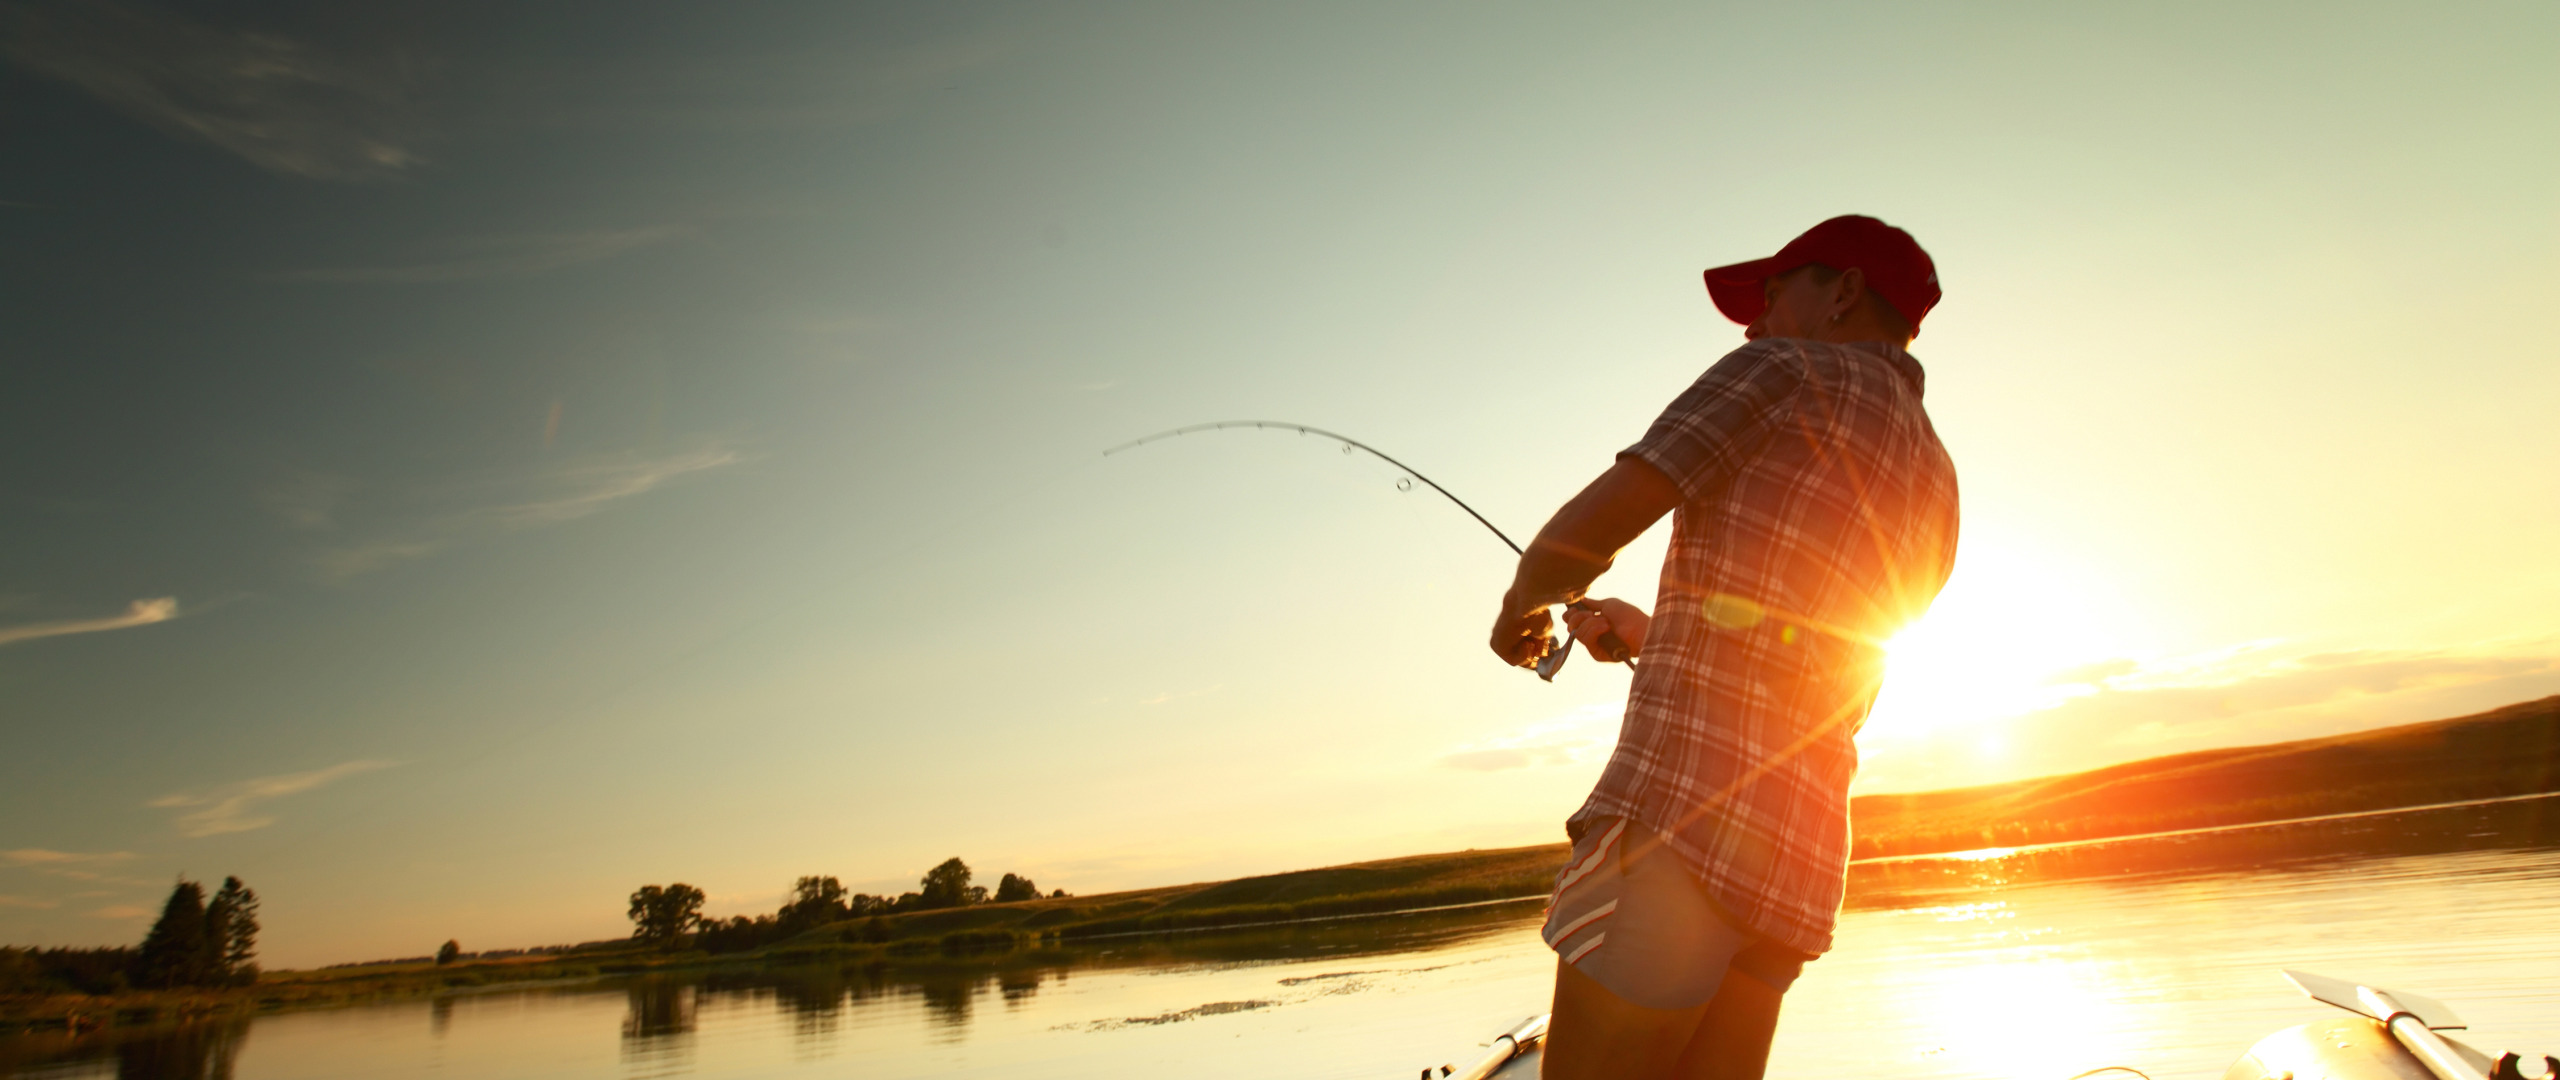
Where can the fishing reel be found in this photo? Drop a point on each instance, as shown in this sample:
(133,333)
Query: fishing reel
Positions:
(1610,644)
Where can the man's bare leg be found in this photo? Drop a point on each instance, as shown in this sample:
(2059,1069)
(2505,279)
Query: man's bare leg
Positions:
(1732,1041)
(1595,1035)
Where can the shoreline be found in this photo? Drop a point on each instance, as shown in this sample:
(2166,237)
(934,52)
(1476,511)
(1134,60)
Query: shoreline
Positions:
(2058,845)
(356,985)
(2482,760)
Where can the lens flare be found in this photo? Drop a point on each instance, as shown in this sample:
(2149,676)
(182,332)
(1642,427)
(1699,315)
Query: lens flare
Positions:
(2011,620)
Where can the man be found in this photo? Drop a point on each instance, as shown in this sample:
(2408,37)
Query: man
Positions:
(1814,515)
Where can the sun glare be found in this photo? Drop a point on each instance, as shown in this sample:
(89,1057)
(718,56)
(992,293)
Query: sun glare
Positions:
(2022,1008)
(1999,643)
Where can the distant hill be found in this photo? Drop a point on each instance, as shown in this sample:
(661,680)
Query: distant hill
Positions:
(2509,751)
(2505,752)
(1405,884)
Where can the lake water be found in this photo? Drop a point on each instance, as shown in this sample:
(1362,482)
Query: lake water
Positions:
(2161,954)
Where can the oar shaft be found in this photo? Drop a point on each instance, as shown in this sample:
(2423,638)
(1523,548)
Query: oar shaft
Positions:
(1506,1046)
(2432,1051)
(2413,1034)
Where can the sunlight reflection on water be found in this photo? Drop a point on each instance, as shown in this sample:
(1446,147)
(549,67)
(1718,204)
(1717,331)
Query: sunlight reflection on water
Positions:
(2160,955)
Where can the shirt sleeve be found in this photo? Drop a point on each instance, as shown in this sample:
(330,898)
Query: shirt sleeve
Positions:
(1724,419)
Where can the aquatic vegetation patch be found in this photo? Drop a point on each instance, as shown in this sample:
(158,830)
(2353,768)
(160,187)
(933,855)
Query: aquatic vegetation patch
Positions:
(1214,1008)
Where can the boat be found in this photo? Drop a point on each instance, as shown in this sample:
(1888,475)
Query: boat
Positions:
(1512,1055)
(2391,1035)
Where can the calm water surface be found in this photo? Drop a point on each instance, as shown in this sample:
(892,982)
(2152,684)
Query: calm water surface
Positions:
(2159,954)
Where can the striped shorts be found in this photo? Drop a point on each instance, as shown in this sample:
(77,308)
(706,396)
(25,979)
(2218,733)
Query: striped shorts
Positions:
(1639,924)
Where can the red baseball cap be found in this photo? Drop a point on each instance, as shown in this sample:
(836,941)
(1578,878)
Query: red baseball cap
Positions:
(1895,266)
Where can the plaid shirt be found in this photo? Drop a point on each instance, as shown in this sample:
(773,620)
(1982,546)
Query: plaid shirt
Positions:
(1819,517)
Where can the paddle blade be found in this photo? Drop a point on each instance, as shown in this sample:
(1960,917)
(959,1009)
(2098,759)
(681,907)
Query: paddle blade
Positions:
(2341,993)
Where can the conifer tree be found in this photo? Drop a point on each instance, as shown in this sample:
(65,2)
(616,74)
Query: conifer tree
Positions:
(174,952)
(231,932)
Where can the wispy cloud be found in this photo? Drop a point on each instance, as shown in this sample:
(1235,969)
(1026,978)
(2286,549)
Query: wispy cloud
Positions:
(501,256)
(2256,692)
(345,563)
(27,903)
(307,498)
(822,84)
(499,504)
(1577,736)
(2266,690)
(41,857)
(74,865)
(121,911)
(139,613)
(583,488)
(233,808)
(283,105)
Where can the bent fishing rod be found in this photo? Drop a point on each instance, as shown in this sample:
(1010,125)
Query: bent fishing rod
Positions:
(1615,648)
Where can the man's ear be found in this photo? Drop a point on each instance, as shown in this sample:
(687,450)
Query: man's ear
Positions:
(1847,291)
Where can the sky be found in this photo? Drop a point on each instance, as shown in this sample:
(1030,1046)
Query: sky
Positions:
(461,462)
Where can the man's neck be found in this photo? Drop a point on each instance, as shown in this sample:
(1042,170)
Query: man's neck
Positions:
(1853,331)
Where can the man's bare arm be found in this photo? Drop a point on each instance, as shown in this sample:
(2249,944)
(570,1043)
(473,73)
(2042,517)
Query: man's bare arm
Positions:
(1577,545)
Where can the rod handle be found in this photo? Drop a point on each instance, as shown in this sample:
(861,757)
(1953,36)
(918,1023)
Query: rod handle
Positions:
(1611,645)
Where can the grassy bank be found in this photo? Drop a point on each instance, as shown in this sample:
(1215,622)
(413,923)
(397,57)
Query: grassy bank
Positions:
(2510,751)
(1417,881)
(325,987)
(924,936)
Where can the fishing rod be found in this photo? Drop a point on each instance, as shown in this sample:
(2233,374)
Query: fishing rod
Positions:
(1615,647)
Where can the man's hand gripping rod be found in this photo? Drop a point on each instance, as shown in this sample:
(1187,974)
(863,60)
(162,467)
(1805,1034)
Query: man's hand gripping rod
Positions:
(1611,645)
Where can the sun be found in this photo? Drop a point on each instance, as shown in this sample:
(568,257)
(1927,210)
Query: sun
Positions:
(2012,618)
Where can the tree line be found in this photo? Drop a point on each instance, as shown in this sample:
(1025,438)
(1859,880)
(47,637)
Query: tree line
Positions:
(198,941)
(670,916)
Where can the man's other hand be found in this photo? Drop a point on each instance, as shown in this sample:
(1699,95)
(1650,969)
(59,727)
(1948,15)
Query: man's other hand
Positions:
(1627,619)
(1521,640)
(1577,545)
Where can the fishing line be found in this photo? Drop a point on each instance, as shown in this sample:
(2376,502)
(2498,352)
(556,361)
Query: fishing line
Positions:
(1546,666)
(1348,444)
